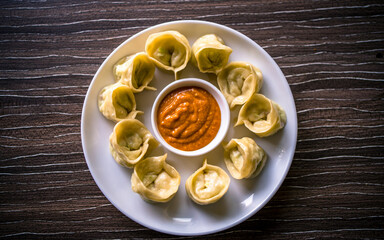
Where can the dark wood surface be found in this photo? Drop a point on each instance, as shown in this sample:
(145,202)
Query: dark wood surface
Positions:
(331,53)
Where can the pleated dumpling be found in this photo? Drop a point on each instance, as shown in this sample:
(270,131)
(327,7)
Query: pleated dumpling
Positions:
(244,158)
(117,102)
(210,54)
(262,116)
(208,184)
(169,50)
(238,81)
(135,71)
(155,180)
(130,141)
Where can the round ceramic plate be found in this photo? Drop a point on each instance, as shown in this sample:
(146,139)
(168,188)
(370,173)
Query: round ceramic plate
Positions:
(181,216)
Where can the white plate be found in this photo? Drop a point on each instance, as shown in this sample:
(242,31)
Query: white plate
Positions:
(181,216)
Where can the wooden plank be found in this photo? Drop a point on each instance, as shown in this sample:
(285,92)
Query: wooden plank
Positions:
(331,53)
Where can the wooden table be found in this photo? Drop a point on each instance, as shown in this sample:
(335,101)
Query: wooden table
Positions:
(331,53)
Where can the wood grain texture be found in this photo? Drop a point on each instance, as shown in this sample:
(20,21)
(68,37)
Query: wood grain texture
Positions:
(331,53)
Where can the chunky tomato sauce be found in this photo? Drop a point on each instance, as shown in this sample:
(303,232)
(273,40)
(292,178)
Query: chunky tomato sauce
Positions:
(188,118)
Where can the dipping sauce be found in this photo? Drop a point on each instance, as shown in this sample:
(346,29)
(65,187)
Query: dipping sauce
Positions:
(188,118)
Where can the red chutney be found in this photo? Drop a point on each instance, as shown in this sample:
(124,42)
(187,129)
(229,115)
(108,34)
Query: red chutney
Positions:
(188,118)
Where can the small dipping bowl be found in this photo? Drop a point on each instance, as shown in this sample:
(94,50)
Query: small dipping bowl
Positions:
(221,101)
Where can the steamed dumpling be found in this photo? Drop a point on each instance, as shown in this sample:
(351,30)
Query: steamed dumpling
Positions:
(238,81)
(208,184)
(262,116)
(169,50)
(130,141)
(117,102)
(244,158)
(210,54)
(135,71)
(155,180)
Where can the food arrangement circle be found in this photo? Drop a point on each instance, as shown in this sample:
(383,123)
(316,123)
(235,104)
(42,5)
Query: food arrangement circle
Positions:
(181,216)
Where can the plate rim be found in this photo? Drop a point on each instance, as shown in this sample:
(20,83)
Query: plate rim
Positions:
(290,157)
